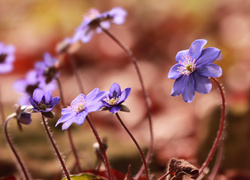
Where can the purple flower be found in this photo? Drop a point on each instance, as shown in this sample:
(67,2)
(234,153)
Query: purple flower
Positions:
(80,107)
(6,58)
(94,21)
(22,116)
(192,70)
(113,101)
(43,101)
(47,69)
(27,86)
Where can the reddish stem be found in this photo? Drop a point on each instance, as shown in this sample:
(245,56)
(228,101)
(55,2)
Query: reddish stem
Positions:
(1,107)
(165,175)
(134,61)
(55,148)
(218,161)
(220,131)
(25,172)
(69,131)
(101,147)
(137,145)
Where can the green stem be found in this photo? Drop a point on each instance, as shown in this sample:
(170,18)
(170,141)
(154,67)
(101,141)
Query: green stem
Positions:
(137,145)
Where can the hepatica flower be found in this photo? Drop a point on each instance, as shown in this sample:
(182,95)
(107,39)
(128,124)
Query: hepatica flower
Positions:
(193,69)
(6,58)
(22,116)
(28,84)
(43,101)
(94,21)
(114,99)
(80,107)
(47,68)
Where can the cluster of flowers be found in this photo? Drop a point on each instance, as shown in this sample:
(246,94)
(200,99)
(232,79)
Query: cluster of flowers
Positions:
(192,72)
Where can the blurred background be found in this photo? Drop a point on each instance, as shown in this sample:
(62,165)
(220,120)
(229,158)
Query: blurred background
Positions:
(155,31)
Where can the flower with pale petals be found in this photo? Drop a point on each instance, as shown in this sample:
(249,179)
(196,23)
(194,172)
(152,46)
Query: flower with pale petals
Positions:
(94,21)
(6,58)
(80,107)
(48,68)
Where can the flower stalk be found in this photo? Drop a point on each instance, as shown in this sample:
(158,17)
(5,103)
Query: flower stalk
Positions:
(134,61)
(218,160)
(66,172)
(136,143)
(7,135)
(1,108)
(101,148)
(165,175)
(220,131)
(68,130)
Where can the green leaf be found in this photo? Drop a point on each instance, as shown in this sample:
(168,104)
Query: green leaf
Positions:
(84,176)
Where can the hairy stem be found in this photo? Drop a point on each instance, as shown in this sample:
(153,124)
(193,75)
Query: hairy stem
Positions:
(220,131)
(134,61)
(101,147)
(24,170)
(218,160)
(69,131)
(137,145)
(66,172)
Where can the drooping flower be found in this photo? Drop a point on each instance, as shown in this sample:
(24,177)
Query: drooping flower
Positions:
(80,107)
(6,58)
(94,21)
(22,116)
(193,69)
(42,101)
(27,86)
(114,99)
(47,68)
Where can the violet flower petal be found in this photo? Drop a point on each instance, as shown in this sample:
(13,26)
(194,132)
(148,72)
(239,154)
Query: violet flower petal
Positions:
(174,73)
(209,55)
(179,85)
(202,84)
(196,48)
(210,70)
(189,90)
(181,54)
(124,95)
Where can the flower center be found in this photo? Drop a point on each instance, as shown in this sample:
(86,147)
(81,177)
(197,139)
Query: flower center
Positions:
(79,105)
(2,58)
(112,101)
(42,107)
(188,65)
